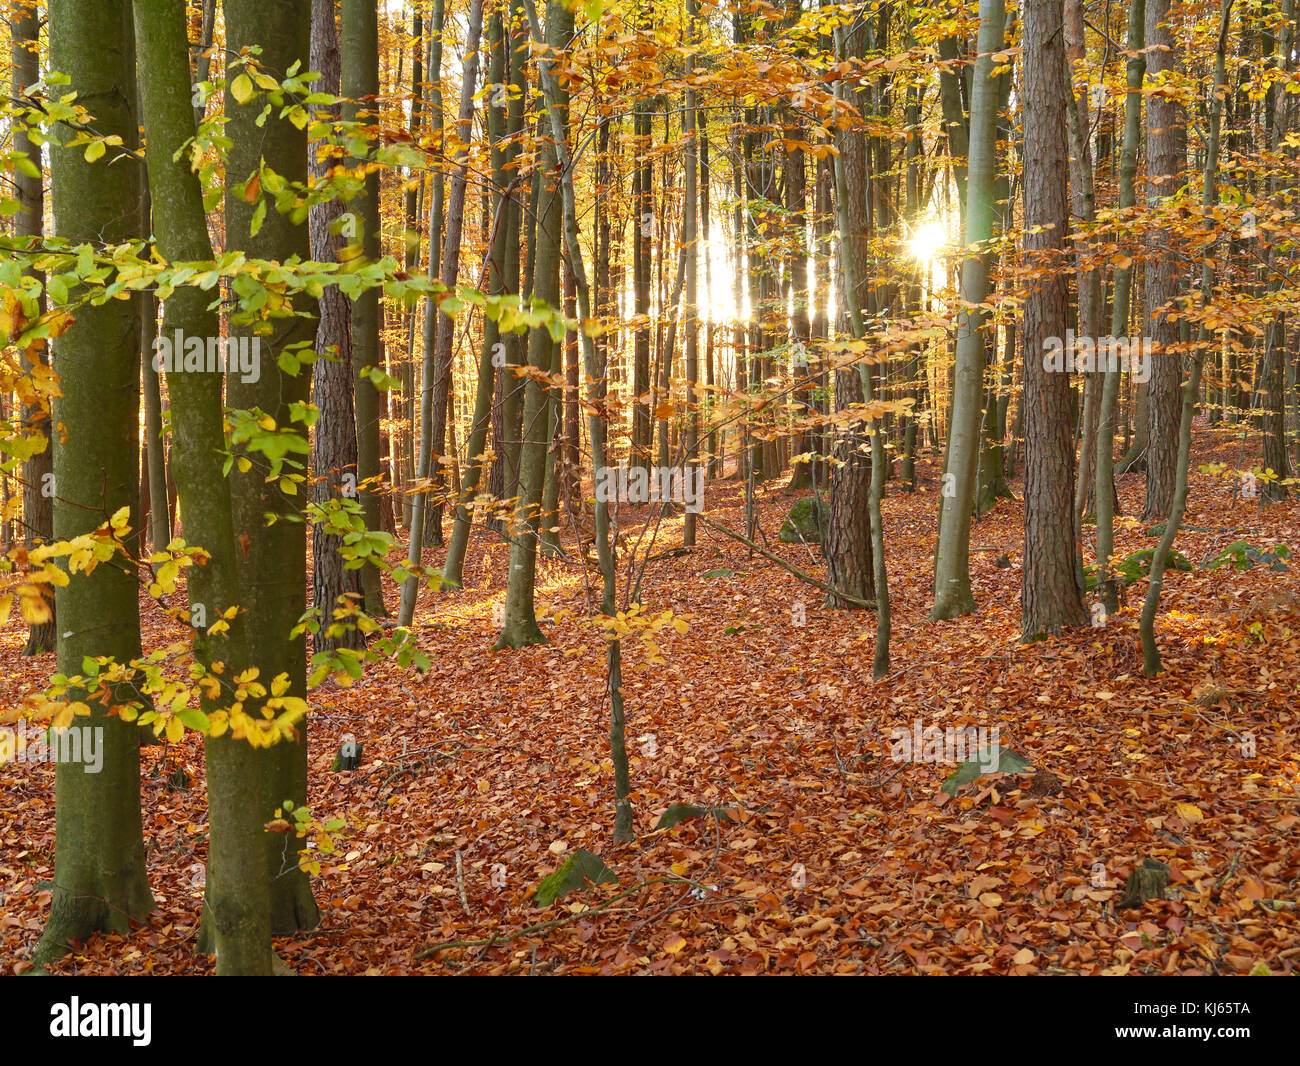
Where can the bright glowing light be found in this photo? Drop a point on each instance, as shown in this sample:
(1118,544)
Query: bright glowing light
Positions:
(927,241)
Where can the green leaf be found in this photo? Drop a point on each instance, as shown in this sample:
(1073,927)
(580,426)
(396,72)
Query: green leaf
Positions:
(1008,762)
(681,812)
(259,216)
(720,572)
(194,718)
(579,868)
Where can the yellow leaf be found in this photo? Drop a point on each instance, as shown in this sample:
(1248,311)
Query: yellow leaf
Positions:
(1189,812)
(242,89)
(35,608)
(674,944)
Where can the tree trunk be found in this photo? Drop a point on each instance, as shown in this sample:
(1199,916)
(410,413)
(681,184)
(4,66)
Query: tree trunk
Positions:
(437,383)
(359,77)
(520,625)
(29,221)
(952,591)
(1051,594)
(238,891)
(273,569)
(1104,493)
(560,21)
(505,122)
(1163,166)
(100,882)
(334,443)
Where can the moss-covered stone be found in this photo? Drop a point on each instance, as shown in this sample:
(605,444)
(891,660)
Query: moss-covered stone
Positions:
(809,520)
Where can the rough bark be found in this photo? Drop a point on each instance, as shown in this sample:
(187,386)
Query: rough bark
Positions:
(359,75)
(1163,166)
(1051,593)
(334,443)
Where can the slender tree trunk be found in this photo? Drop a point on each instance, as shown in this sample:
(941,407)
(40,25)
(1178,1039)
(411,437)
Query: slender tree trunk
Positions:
(437,385)
(1104,494)
(505,122)
(690,311)
(520,625)
(643,229)
(952,590)
(1191,391)
(273,570)
(559,21)
(237,897)
(359,77)
(334,443)
(29,221)
(441,382)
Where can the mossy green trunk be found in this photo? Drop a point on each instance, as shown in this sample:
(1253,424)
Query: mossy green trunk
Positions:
(100,883)
(273,569)
(237,902)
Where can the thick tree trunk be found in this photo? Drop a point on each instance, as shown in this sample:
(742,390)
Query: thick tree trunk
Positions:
(848,540)
(849,265)
(100,883)
(1051,594)
(1163,167)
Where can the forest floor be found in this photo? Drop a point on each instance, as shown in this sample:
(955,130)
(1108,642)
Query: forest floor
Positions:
(479,776)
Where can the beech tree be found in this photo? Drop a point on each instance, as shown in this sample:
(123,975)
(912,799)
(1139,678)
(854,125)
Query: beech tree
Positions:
(1051,592)
(100,884)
